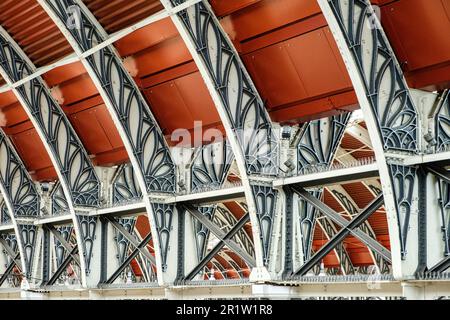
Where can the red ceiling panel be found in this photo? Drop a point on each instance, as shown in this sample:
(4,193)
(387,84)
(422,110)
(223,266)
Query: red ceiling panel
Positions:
(267,15)
(177,104)
(290,72)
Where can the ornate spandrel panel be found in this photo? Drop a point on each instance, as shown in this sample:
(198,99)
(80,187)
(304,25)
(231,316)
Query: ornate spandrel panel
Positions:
(130,107)
(125,185)
(211,167)
(59,201)
(443,124)
(67,150)
(308,218)
(385,86)
(201,232)
(88,230)
(28,235)
(265,199)
(20,189)
(444,202)
(404,180)
(319,142)
(164,218)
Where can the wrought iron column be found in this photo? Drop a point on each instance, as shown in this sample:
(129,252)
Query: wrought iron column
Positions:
(390,114)
(22,203)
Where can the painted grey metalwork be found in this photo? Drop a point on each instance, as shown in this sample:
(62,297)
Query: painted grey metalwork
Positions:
(125,186)
(211,166)
(122,243)
(244,107)
(265,199)
(5,218)
(20,189)
(61,251)
(330,230)
(133,112)
(385,86)
(319,141)
(65,145)
(163,217)
(444,202)
(443,123)
(308,218)
(202,232)
(59,201)
(88,227)
(403,178)
(28,234)
(344,232)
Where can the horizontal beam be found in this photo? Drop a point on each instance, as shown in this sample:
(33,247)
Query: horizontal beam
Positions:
(331,177)
(7,228)
(55,220)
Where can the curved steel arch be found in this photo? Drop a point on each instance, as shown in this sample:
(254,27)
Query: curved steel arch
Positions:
(76,173)
(22,200)
(390,114)
(148,151)
(241,110)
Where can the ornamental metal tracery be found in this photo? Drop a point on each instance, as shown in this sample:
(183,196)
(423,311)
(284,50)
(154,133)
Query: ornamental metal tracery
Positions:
(202,232)
(125,185)
(386,88)
(122,243)
(72,159)
(319,141)
(88,228)
(28,235)
(4,215)
(163,214)
(403,180)
(444,202)
(59,201)
(130,107)
(20,189)
(210,168)
(443,124)
(244,108)
(307,215)
(60,250)
(265,199)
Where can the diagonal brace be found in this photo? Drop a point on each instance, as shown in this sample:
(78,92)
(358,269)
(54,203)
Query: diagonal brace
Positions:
(342,222)
(131,239)
(10,252)
(221,235)
(341,235)
(238,226)
(130,258)
(63,242)
(63,266)
(9,269)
